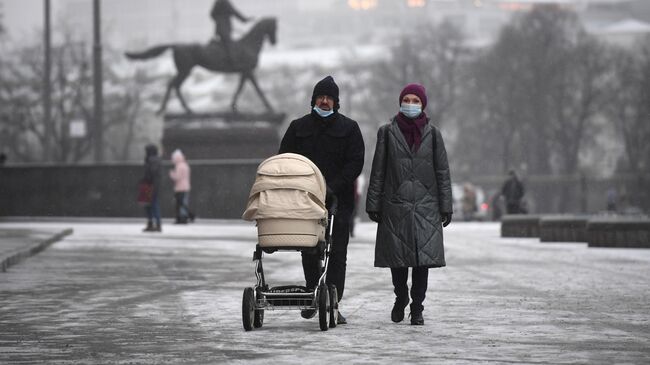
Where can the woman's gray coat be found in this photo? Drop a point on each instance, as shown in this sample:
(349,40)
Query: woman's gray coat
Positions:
(410,190)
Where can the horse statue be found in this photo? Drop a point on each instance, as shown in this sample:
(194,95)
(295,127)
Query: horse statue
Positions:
(244,55)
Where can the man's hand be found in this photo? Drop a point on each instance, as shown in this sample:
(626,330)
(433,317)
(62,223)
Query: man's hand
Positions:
(375,216)
(331,200)
(446,219)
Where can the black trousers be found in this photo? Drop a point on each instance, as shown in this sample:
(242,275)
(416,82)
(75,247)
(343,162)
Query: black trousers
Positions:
(419,281)
(182,208)
(311,263)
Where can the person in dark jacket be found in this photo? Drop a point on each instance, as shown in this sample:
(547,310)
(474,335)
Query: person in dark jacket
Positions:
(513,192)
(409,195)
(152,175)
(333,142)
(221,12)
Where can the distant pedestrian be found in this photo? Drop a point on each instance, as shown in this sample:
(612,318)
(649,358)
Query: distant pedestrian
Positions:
(469,206)
(152,175)
(496,204)
(513,191)
(409,195)
(3,159)
(180,174)
(612,197)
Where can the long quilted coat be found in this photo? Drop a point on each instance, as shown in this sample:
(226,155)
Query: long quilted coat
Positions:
(410,190)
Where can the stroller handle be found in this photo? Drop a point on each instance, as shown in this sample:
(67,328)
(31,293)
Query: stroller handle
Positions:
(333,204)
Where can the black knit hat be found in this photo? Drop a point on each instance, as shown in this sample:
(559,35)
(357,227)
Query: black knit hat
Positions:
(328,87)
(151,150)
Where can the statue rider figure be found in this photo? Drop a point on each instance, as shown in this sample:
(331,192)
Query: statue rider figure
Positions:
(221,12)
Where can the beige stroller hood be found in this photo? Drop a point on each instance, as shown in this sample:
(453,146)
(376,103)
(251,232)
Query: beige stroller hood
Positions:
(287,186)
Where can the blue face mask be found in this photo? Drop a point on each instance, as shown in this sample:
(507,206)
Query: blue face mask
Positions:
(323,113)
(411,110)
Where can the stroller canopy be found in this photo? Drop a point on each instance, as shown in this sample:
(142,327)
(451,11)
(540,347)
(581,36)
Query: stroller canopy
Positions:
(287,186)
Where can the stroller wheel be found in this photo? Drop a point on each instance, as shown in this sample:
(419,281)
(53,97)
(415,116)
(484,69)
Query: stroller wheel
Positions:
(323,307)
(248,308)
(258,319)
(334,305)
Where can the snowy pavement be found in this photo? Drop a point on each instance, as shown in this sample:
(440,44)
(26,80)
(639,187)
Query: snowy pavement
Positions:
(111,294)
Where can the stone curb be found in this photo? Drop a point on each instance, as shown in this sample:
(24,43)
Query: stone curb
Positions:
(563,228)
(596,231)
(32,250)
(520,225)
(628,233)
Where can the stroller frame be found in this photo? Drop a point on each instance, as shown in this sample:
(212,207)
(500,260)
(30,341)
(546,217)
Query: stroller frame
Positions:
(323,298)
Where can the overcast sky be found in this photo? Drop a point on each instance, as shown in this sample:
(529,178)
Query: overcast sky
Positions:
(22,16)
(188,20)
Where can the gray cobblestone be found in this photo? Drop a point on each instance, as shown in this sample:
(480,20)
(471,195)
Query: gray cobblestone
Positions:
(111,294)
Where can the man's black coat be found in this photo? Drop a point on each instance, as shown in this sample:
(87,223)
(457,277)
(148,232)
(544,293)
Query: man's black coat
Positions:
(335,145)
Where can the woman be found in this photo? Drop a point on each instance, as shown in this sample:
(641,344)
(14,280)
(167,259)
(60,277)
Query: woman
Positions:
(409,195)
(180,175)
(152,175)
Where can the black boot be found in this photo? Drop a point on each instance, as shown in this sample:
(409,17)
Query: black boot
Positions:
(416,318)
(148,228)
(340,319)
(397,314)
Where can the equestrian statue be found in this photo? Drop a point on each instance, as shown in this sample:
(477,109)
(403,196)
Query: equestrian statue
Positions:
(240,57)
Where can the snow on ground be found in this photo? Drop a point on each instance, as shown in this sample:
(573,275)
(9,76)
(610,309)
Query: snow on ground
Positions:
(499,300)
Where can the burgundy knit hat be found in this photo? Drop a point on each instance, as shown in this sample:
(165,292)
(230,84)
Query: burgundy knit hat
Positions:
(415,89)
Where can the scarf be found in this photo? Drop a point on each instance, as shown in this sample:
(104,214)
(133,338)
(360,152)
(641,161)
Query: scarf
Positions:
(412,129)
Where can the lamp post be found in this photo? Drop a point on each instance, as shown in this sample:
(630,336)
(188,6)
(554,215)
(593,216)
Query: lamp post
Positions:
(47,84)
(97,81)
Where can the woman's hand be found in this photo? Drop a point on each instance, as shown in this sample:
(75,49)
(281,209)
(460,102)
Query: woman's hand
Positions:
(375,216)
(446,219)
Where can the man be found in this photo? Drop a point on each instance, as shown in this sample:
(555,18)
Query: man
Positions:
(221,12)
(335,144)
(513,191)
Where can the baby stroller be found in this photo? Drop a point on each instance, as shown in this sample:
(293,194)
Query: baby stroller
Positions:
(288,202)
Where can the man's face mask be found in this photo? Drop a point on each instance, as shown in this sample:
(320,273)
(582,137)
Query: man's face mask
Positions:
(323,113)
(324,106)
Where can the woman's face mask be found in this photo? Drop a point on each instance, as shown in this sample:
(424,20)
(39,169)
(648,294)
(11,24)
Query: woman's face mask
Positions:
(411,110)
(411,106)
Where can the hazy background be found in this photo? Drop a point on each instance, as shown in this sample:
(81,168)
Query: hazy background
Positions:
(552,88)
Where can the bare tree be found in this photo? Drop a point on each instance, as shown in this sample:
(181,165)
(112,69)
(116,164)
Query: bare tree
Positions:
(629,111)
(535,93)
(430,56)
(22,132)
(559,69)
(490,113)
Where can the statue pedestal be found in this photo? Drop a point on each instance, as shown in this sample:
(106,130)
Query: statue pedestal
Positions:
(222,135)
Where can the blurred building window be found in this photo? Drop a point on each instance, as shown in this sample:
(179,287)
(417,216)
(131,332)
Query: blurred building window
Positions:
(362,4)
(416,3)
